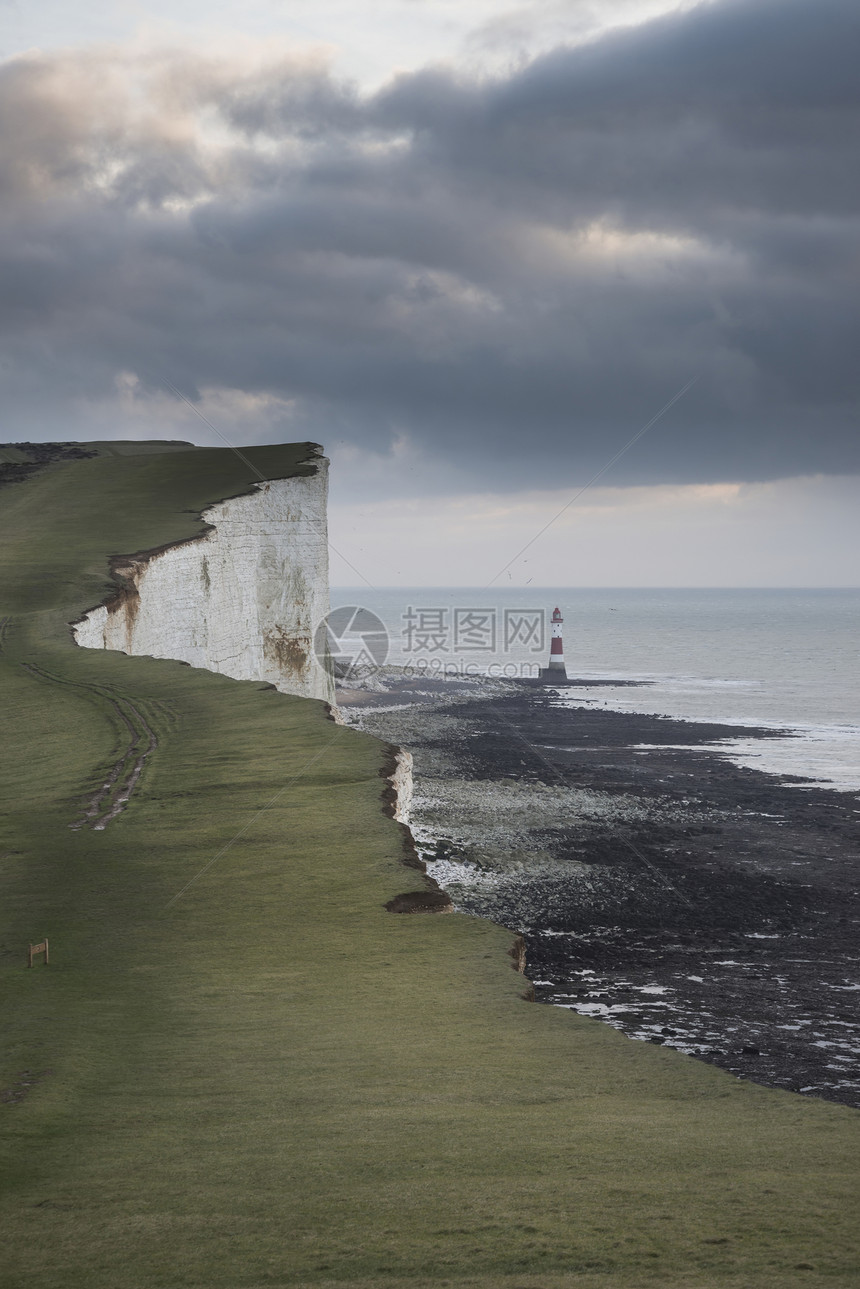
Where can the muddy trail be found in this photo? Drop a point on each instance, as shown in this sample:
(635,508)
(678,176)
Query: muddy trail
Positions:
(137,739)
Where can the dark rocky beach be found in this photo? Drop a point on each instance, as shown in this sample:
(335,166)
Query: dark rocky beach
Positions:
(661,889)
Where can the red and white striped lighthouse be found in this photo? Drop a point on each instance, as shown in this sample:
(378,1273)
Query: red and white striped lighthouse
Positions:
(556,669)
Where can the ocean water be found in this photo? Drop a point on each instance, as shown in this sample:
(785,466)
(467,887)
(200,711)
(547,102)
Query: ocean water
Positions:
(788,660)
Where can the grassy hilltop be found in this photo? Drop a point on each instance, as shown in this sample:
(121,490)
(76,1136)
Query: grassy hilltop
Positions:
(265,1079)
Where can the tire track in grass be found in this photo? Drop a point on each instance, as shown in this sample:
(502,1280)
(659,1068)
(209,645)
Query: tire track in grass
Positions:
(116,791)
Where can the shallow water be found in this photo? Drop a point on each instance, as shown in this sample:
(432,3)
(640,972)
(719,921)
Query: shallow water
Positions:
(784,659)
(659,888)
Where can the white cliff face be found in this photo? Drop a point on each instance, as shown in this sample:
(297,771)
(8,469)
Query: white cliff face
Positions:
(243,600)
(402,783)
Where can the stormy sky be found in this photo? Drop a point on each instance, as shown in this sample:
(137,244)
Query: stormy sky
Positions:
(472,249)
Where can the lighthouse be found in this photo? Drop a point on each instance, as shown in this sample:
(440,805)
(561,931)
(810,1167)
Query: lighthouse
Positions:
(556,669)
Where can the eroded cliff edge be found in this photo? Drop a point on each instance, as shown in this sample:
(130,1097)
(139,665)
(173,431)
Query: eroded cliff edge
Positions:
(243,599)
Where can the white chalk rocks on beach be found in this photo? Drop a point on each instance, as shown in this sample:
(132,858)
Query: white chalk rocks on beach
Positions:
(243,600)
(402,783)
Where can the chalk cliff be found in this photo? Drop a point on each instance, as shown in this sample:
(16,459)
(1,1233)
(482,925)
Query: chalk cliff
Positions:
(402,782)
(244,599)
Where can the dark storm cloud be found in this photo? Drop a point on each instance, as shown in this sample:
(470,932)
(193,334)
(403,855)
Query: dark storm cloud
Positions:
(513,272)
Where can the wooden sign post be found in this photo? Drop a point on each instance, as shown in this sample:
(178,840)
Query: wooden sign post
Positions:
(41,947)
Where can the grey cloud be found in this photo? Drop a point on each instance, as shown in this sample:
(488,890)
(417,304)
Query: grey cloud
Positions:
(513,273)
(734,106)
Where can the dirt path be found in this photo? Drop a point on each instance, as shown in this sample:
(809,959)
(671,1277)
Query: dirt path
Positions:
(124,775)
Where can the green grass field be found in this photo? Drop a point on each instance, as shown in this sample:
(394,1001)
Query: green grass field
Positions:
(265,1079)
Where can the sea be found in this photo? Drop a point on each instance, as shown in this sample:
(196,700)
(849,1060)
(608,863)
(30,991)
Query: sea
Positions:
(784,659)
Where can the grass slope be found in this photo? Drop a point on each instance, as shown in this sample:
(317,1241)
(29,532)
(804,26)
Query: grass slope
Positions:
(271,1081)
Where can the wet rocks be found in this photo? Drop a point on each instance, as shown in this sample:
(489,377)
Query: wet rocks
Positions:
(663,890)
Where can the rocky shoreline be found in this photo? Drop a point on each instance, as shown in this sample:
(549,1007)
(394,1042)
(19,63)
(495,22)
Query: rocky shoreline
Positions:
(660,888)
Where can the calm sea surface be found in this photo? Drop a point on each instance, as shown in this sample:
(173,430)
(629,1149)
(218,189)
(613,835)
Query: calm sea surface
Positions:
(785,659)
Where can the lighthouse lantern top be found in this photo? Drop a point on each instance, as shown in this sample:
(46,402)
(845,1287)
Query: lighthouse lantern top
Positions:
(556,615)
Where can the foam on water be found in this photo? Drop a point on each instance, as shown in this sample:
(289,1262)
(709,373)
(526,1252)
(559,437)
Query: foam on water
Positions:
(785,660)
(827,756)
